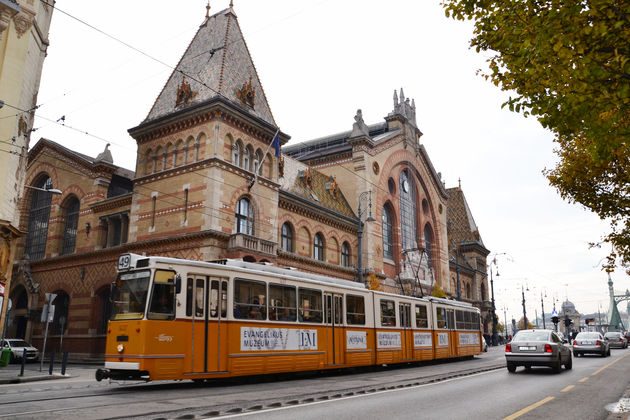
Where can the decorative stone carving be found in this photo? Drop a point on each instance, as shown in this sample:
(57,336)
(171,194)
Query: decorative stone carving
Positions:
(247,93)
(185,94)
(7,11)
(23,21)
(359,128)
(404,108)
(24,269)
(415,267)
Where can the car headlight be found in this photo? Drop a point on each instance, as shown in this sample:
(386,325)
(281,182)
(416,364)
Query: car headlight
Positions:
(120,348)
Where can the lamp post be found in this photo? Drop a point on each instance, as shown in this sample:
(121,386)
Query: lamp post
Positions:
(494,315)
(505,322)
(365,195)
(524,312)
(542,304)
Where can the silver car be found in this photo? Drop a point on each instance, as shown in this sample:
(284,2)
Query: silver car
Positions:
(590,342)
(616,340)
(537,348)
(20,349)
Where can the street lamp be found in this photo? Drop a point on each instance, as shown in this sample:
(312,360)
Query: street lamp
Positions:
(51,190)
(365,195)
(494,315)
(542,304)
(505,322)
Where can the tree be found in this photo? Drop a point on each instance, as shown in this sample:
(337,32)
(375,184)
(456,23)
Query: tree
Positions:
(568,64)
(438,292)
(521,323)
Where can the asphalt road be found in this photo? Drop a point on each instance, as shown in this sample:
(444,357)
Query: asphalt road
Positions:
(477,388)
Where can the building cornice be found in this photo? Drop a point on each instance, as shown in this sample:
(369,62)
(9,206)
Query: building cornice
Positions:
(299,205)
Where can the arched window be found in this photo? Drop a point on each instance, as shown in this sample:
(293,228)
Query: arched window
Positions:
(167,151)
(287,237)
(236,154)
(247,158)
(244,218)
(70,228)
(318,247)
(388,234)
(159,159)
(468,290)
(345,254)
(39,214)
(149,163)
(175,152)
(408,228)
(62,303)
(103,309)
(428,243)
(483,292)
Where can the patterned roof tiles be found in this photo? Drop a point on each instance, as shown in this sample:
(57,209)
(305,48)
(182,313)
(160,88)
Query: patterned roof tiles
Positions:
(216,64)
(461,225)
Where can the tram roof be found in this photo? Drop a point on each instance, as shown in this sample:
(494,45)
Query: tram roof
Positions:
(243,266)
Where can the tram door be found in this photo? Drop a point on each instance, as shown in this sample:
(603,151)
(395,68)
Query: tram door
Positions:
(450,314)
(209,326)
(333,310)
(406,339)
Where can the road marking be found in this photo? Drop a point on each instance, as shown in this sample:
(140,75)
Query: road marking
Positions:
(608,365)
(528,409)
(583,380)
(569,388)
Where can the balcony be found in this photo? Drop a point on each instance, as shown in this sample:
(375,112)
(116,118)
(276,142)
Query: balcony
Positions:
(251,244)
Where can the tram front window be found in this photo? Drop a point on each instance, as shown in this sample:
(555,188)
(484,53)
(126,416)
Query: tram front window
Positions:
(130,295)
(163,296)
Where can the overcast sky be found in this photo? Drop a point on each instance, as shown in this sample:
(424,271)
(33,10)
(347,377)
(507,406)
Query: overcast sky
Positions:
(319,61)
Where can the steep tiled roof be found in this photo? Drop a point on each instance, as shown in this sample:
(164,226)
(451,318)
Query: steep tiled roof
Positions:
(321,192)
(461,225)
(216,64)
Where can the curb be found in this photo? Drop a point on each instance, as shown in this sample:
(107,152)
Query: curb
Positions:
(23,379)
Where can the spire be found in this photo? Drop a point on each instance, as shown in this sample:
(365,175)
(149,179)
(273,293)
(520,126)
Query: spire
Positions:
(216,65)
(405,107)
(208,10)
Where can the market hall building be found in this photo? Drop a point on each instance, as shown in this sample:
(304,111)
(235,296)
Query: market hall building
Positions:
(209,185)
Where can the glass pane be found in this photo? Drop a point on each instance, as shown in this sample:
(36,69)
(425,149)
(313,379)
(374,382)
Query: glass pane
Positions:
(355,310)
(130,295)
(282,304)
(310,309)
(250,299)
(388,313)
(214,298)
(199,295)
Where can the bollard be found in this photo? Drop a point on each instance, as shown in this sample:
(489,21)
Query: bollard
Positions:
(52,362)
(23,362)
(64,362)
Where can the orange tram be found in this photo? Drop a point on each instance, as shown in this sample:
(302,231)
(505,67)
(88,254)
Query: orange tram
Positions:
(179,319)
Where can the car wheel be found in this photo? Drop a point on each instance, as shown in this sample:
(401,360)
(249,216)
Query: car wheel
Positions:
(608,352)
(557,367)
(511,367)
(569,364)
(576,354)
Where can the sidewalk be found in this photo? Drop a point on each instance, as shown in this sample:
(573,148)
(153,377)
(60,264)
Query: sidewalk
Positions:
(11,373)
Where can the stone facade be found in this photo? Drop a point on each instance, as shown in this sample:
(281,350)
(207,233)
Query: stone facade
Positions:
(24,28)
(209,184)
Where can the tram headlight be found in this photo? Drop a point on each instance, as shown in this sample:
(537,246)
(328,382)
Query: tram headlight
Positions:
(120,348)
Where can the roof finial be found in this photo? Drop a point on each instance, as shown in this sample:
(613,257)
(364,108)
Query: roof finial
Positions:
(208,9)
(460,183)
(231,3)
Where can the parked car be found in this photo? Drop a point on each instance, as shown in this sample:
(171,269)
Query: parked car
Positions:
(616,340)
(590,342)
(537,348)
(19,349)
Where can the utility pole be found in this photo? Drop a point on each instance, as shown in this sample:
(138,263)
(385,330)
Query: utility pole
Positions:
(542,304)
(524,312)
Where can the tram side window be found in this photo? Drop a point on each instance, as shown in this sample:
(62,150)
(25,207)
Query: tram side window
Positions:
(199,297)
(162,296)
(355,310)
(214,298)
(422,319)
(310,309)
(250,299)
(476,323)
(440,314)
(189,296)
(388,313)
(282,305)
(460,322)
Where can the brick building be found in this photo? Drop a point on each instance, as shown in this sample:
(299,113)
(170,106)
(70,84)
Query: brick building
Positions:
(208,185)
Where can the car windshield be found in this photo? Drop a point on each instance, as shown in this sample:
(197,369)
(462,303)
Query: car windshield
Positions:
(613,334)
(130,295)
(587,335)
(531,336)
(18,343)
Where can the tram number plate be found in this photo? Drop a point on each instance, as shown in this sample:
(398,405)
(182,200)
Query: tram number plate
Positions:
(527,348)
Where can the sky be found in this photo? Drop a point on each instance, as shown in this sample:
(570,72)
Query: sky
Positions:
(319,61)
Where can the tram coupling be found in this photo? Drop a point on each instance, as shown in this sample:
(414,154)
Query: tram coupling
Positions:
(122,375)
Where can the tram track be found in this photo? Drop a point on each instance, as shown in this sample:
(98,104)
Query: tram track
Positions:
(214,409)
